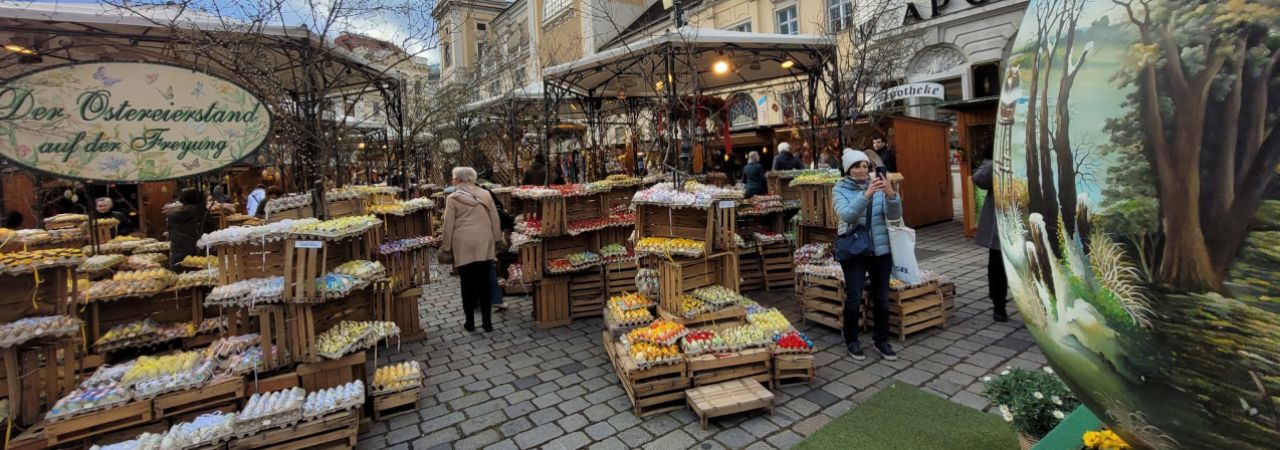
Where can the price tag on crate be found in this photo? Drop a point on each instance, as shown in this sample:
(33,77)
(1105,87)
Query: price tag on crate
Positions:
(726,204)
(307,244)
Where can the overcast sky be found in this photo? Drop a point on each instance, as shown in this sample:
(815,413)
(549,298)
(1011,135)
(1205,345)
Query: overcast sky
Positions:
(406,23)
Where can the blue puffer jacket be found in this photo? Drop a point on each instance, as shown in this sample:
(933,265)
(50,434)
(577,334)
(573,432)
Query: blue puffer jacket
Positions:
(851,206)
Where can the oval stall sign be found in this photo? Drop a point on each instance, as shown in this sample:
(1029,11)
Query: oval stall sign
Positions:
(128,122)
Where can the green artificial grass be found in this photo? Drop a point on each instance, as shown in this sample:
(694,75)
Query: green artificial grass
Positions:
(902,417)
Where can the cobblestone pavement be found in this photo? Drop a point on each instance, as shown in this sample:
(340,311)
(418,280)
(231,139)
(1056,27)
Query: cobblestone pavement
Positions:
(524,388)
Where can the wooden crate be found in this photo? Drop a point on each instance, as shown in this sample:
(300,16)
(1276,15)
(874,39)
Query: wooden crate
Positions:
(779,185)
(402,308)
(52,294)
(916,314)
(581,207)
(814,235)
(396,403)
(778,265)
(948,290)
(620,277)
(792,369)
(338,430)
(327,374)
(722,318)
(219,393)
(37,374)
(816,208)
(730,397)
(822,301)
(678,277)
(129,415)
(715,227)
(280,382)
(551,303)
(551,211)
(344,208)
(755,363)
(294,214)
(750,269)
(532,261)
(653,390)
(586,294)
(245,261)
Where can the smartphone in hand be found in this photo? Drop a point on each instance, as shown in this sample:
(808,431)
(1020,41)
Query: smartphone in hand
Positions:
(882,173)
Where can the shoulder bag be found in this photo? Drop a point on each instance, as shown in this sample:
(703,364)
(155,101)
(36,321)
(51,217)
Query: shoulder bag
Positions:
(857,242)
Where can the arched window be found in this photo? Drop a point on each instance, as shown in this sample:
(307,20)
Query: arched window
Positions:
(742,112)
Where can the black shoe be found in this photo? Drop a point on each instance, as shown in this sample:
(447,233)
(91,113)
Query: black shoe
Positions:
(855,351)
(488,328)
(1000,316)
(887,350)
(469,327)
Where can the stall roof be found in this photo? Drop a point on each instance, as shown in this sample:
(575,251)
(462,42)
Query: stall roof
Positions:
(146,16)
(635,69)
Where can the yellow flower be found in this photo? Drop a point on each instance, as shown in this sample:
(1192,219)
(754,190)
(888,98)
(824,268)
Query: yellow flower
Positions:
(1104,440)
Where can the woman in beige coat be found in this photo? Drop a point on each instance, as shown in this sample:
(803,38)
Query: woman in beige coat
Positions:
(472,231)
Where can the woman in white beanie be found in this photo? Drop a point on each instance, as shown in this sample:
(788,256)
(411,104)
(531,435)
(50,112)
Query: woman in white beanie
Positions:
(865,204)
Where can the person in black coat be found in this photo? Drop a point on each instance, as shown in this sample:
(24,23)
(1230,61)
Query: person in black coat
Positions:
(105,207)
(536,173)
(186,224)
(753,181)
(886,153)
(786,160)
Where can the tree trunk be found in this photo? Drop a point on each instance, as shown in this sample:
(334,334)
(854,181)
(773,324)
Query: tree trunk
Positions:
(1186,260)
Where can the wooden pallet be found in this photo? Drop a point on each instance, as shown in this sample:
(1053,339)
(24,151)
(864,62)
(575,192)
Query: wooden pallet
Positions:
(130,415)
(755,363)
(222,392)
(684,275)
(653,390)
(551,303)
(338,430)
(730,397)
(586,294)
(792,368)
(778,265)
(397,403)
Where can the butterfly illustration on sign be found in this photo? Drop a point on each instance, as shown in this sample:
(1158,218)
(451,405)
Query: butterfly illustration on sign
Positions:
(192,164)
(198,90)
(167,93)
(101,75)
(151,78)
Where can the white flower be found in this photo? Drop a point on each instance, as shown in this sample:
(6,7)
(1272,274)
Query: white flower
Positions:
(1048,369)
(1037,395)
(986,379)
(1059,414)
(1004,373)
(1056,400)
(1004,412)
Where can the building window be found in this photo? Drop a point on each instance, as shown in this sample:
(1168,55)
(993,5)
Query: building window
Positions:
(480,49)
(794,106)
(742,112)
(744,27)
(839,14)
(552,9)
(446,54)
(519,77)
(788,22)
(481,26)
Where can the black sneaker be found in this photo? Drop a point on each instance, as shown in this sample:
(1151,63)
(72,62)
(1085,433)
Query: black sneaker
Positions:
(887,350)
(1000,316)
(855,351)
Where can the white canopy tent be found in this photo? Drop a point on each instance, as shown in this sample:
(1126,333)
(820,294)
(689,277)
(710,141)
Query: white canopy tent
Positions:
(639,68)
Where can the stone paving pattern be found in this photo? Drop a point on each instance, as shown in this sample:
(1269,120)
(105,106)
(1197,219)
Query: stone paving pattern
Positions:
(519,387)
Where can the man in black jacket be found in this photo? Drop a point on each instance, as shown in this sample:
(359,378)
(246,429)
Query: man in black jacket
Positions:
(886,153)
(536,174)
(785,160)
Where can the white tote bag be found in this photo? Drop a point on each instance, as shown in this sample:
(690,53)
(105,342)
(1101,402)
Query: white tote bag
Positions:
(902,241)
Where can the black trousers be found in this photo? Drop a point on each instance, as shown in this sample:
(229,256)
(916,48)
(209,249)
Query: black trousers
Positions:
(476,279)
(855,276)
(997,280)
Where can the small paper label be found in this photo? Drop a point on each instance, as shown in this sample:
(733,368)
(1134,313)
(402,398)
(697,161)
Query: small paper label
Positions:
(726,203)
(307,244)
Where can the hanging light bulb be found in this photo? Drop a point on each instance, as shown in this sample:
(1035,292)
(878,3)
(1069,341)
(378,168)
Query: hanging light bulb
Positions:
(788,64)
(720,67)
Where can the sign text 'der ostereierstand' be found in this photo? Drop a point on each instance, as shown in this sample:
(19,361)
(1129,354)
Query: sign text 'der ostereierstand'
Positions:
(128,122)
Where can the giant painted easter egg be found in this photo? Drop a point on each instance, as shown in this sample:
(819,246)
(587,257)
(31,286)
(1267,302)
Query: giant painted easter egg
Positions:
(1137,158)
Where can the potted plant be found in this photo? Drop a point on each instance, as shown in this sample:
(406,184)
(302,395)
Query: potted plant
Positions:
(1032,401)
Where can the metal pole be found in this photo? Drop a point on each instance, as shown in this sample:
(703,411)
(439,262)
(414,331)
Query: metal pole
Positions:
(839,99)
